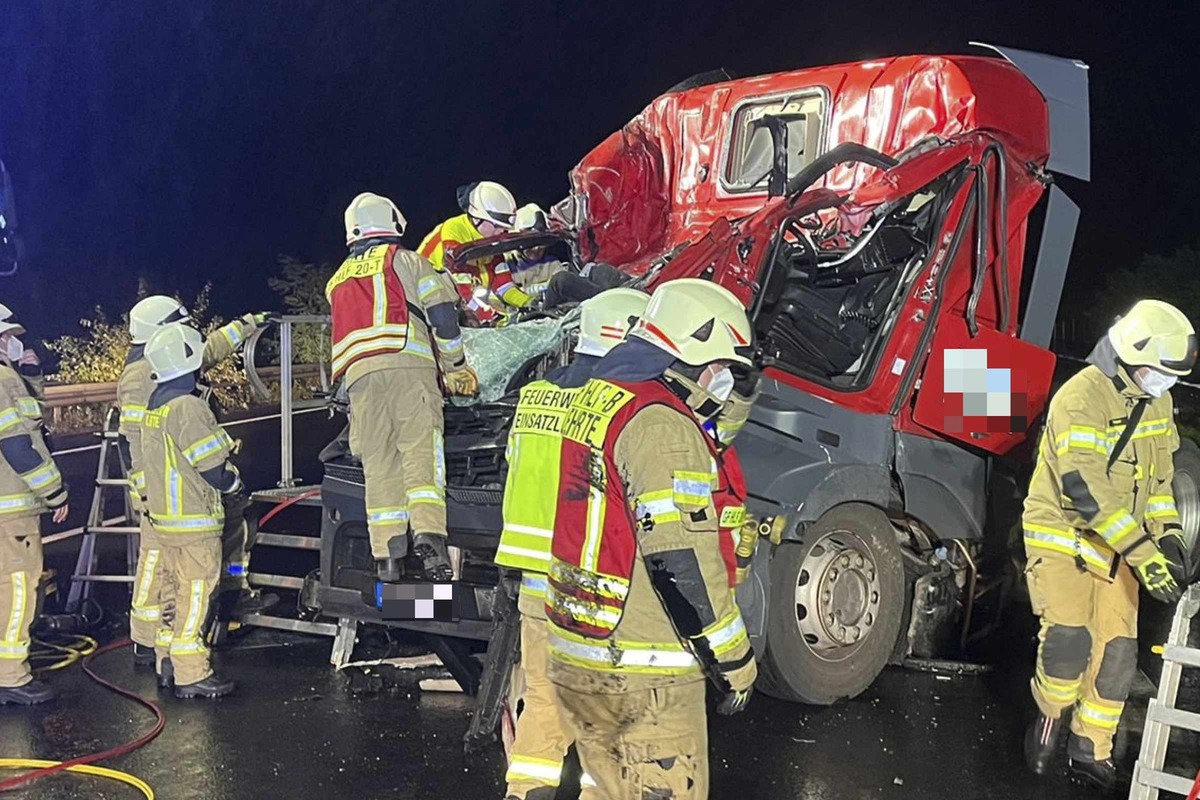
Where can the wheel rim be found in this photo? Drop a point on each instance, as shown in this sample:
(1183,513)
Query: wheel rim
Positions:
(1187,501)
(837,596)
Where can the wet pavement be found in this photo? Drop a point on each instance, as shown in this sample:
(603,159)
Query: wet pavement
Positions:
(298,729)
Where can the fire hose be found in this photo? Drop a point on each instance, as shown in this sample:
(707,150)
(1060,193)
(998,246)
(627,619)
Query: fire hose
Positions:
(85,764)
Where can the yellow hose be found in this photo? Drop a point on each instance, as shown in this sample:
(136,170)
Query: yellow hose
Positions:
(62,656)
(83,769)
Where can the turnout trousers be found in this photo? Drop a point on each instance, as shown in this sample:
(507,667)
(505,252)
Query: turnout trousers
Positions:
(1087,652)
(20,570)
(647,744)
(396,429)
(536,759)
(191,573)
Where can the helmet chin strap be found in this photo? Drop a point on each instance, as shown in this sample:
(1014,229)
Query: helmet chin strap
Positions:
(703,403)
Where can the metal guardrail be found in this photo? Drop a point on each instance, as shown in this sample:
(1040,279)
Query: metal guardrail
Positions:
(77,394)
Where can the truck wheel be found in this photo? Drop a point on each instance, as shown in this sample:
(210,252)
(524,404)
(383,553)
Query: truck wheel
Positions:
(1186,488)
(837,601)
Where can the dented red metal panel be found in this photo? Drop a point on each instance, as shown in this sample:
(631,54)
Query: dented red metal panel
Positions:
(657,183)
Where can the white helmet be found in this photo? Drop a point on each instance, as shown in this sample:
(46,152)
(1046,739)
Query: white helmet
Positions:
(173,351)
(1155,334)
(530,217)
(8,324)
(606,318)
(5,312)
(151,313)
(370,215)
(696,321)
(490,201)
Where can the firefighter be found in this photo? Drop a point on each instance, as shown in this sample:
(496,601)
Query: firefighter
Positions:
(24,359)
(30,484)
(1099,519)
(488,210)
(133,393)
(389,307)
(638,599)
(533,268)
(189,478)
(530,501)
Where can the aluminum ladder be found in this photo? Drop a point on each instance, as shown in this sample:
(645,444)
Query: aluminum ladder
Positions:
(110,474)
(344,632)
(1162,715)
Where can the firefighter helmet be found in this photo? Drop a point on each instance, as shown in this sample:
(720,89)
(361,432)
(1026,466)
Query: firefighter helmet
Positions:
(696,321)
(606,318)
(153,312)
(530,217)
(1155,334)
(493,203)
(370,215)
(173,351)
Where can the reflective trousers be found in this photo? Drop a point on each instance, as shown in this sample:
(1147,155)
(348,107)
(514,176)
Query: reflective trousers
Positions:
(145,609)
(651,743)
(396,429)
(146,606)
(1087,652)
(20,570)
(536,757)
(191,572)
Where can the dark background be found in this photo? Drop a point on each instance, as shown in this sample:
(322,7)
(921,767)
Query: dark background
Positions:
(192,142)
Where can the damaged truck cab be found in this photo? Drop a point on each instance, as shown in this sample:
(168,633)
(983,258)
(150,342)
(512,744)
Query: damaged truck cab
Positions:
(873,217)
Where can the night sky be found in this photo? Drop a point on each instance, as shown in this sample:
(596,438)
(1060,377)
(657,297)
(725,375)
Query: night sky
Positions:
(185,142)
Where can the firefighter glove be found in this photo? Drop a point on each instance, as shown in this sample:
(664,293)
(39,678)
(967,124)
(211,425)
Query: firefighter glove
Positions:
(1156,574)
(431,549)
(740,677)
(1174,548)
(462,381)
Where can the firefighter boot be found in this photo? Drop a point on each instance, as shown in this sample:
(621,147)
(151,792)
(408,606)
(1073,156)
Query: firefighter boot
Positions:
(212,686)
(387,569)
(166,674)
(431,549)
(1041,743)
(252,601)
(1086,768)
(143,655)
(30,694)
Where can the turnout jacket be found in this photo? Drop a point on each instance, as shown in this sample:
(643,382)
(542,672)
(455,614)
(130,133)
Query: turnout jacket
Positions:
(1100,491)
(30,481)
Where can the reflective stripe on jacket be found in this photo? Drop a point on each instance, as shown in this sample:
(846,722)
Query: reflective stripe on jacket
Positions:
(22,494)
(181,440)
(1081,507)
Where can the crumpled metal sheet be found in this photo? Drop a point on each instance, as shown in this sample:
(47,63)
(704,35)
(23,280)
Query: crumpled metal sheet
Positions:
(496,354)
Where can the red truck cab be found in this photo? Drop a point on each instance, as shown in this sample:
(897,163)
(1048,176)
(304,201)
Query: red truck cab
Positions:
(873,216)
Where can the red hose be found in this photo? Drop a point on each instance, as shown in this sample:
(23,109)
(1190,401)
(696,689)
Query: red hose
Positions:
(1195,792)
(291,501)
(116,752)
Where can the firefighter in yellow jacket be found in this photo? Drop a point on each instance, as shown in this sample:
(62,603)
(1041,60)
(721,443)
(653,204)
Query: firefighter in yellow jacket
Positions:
(133,393)
(30,484)
(638,599)
(488,210)
(530,502)
(389,307)
(1100,518)
(185,456)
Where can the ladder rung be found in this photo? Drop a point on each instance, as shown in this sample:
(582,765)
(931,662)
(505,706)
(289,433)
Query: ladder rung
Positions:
(103,578)
(1188,656)
(278,581)
(123,529)
(122,482)
(1174,718)
(287,540)
(285,624)
(1144,776)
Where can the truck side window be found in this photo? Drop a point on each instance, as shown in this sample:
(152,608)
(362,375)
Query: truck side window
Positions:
(748,162)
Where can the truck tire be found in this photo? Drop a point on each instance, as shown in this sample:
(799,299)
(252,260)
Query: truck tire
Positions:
(837,603)
(1186,488)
